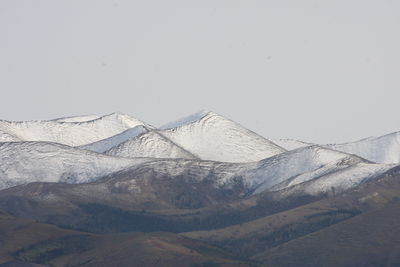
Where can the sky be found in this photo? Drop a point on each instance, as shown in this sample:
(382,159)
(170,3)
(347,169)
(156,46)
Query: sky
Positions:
(318,71)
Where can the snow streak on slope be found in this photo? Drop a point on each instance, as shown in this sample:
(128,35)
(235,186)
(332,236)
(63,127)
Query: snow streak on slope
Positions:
(113,141)
(151,144)
(69,133)
(290,144)
(26,162)
(78,118)
(212,137)
(186,120)
(384,149)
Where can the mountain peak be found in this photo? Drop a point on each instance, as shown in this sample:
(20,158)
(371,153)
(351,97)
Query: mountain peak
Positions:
(188,119)
(211,136)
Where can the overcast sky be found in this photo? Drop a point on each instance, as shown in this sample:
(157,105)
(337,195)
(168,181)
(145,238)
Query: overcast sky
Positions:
(320,71)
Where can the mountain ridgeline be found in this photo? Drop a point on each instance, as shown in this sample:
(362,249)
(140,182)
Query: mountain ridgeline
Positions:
(202,191)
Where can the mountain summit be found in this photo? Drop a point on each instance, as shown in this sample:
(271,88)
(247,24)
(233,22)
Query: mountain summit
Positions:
(211,136)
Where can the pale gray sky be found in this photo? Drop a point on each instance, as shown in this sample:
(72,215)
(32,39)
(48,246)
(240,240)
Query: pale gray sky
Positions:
(322,71)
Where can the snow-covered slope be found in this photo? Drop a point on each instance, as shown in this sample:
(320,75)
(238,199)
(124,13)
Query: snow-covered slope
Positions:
(26,162)
(78,118)
(186,120)
(336,182)
(150,144)
(304,164)
(310,169)
(383,149)
(69,133)
(6,137)
(275,173)
(113,141)
(290,144)
(210,136)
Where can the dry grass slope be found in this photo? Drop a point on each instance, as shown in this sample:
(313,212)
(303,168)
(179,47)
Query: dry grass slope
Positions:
(28,241)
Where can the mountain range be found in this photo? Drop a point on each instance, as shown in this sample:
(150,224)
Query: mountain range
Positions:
(202,190)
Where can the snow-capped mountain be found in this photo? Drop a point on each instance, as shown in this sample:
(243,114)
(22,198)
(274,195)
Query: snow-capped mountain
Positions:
(202,177)
(66,132)
(26,162)
(383,149)
(151,144)
(202,145)
(210,136)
